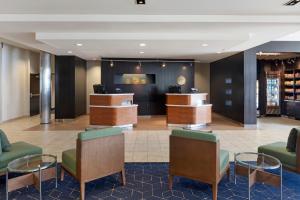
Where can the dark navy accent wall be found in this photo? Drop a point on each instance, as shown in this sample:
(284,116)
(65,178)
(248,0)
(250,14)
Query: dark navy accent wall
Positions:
(150,97)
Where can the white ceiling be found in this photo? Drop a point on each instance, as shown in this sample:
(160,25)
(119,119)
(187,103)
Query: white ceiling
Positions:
(170,28)
(152,7)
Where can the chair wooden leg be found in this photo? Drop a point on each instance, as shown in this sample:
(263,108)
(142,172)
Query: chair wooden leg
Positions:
(123,176)
(62,174)
(215,191)
(228,173)
(170,182)
(82,190)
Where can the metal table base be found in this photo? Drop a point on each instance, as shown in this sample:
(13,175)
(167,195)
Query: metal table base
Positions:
(30,179)
(258,175)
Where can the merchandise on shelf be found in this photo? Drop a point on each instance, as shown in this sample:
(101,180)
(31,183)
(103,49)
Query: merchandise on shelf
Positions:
(289,75)
(289,83)
(289,97)
(289,90)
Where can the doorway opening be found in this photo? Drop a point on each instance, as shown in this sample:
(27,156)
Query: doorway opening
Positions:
(278,84)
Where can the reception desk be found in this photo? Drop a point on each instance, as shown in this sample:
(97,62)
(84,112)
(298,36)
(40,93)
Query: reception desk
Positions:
(112,110)
(188,110)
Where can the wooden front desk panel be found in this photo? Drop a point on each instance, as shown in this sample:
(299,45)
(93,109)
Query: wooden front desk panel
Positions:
(109,99)
(113,116)
(185,99)
(189,114)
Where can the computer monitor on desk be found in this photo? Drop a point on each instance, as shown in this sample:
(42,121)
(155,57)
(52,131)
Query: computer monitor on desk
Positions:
(99,89)
(175,89)
(194,90)
(118,90)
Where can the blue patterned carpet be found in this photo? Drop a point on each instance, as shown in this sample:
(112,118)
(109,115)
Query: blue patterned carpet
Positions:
(149,181)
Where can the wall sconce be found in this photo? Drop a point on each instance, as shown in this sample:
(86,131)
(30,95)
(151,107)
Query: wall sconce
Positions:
(183,67)
(163,65)
(111,63)
(139,66)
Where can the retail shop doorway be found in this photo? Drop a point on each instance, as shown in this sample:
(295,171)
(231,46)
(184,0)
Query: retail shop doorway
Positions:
(278,84)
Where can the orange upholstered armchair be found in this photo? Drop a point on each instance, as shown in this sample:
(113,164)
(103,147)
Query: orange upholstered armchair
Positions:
(197,155)
(98,153)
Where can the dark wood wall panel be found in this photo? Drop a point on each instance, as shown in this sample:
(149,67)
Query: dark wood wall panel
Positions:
(64,87)
(70,87)
(221,71)
(80,86)
(150,97)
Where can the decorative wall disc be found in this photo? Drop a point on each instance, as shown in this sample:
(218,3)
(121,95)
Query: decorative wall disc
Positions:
(181,80)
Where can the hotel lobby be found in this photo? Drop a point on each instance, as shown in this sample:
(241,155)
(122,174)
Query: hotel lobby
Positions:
(149,99)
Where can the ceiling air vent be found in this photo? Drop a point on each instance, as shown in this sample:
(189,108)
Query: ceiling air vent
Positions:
(292,2)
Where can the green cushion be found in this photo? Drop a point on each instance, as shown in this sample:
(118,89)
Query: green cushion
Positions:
(0,147)
(5,144)
(224,160)
(69,160)
(198,135)
(2,171)
(279,151)
(18,150)
(292,140)
(92,134)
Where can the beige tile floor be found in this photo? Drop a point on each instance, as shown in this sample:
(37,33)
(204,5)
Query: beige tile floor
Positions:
(152,145)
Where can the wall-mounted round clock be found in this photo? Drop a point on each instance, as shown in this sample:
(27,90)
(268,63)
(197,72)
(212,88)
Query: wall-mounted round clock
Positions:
(181,80)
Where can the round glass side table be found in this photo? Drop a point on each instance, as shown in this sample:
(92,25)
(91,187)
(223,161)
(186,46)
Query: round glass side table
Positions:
(257,167)
(36,168)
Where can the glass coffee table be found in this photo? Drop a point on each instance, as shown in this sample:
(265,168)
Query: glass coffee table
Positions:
(258,167)
(36,168)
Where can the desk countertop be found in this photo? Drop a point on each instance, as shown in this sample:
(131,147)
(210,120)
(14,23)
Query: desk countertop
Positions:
(120,106)
(191,106)
(116,94)
(186,94)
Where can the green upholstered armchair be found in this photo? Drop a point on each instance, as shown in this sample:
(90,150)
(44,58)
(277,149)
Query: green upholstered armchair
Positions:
(197,155)
(289,160)
(98,153)
(14,151)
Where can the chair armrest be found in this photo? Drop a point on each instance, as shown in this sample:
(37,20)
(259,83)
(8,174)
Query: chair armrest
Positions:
(298,154)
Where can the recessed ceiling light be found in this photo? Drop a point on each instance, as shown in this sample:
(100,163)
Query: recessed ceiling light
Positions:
(219,52)
(141,52)
(140,2)
(79,44)
(204,45)
(142,45)
(69,52)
